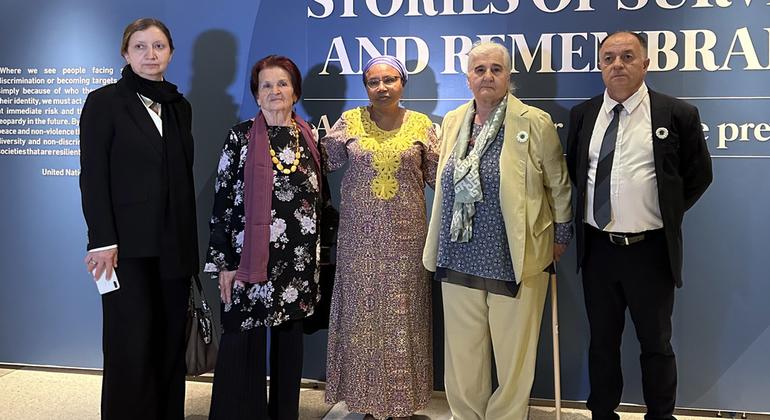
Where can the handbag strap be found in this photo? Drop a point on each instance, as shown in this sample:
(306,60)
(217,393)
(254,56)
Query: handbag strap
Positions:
(197,285)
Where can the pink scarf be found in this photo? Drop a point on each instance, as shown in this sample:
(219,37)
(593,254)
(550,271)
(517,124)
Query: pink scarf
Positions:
(258,198)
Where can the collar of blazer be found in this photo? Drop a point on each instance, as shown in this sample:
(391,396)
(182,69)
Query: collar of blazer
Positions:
(587,124)
(660,116)
(139,115)
(660,113)
(661,108)
(514,119)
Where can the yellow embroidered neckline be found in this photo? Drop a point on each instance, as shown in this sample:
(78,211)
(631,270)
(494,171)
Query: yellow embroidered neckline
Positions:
(386,147)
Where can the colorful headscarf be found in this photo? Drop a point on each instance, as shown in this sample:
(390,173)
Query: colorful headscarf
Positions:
(389,60)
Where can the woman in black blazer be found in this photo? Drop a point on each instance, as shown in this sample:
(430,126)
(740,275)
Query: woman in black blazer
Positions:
(139,204)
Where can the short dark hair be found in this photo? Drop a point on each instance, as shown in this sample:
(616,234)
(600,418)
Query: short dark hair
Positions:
(140,25)
(642,40)
(282,63)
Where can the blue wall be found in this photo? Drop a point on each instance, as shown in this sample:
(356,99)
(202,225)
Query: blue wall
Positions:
(50,311)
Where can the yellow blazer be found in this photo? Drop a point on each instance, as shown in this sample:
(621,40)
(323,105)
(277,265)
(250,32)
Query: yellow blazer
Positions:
(535,189)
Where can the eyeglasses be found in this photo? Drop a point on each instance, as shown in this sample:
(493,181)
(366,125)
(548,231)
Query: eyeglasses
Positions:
(388,80)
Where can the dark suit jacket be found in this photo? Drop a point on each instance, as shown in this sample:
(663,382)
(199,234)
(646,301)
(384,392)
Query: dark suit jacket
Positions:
(122,178)
(682,165)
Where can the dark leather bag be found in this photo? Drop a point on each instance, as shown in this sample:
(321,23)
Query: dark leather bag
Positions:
(202,336)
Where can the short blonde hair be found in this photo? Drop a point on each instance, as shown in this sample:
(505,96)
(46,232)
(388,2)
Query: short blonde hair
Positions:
(485,47)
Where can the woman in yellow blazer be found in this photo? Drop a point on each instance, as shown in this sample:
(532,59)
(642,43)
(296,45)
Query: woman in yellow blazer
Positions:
(501,215)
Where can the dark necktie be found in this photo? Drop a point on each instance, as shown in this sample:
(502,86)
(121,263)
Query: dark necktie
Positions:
(602,206)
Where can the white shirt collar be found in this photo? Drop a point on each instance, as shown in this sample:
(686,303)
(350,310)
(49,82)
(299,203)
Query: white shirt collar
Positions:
(629,105)
(145,100)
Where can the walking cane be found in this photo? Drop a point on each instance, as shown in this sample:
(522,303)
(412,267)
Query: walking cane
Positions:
(555,331)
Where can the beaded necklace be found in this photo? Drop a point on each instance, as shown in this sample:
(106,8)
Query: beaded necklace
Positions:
(294,131)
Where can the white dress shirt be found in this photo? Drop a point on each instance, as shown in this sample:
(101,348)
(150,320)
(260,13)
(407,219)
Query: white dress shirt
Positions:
(633,186)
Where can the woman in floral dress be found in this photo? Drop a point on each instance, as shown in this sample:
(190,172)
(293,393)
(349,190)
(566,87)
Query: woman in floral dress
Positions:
(379,356)
(264,249)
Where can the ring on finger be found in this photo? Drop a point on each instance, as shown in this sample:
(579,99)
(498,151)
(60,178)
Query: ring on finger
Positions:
(92,262)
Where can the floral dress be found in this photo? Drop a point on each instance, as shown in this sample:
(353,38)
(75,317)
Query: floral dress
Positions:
(291,290)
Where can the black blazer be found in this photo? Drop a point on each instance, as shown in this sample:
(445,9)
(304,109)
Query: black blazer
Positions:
(682,165)
(122,178)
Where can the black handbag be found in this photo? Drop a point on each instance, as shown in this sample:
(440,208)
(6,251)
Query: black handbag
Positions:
(202,336)
(330,221)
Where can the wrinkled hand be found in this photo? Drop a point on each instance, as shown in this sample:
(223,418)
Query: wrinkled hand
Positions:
(98,262)
(226,280)
(558,250)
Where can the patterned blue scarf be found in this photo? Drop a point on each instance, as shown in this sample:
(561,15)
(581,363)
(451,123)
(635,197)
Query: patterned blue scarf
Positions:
(466,174)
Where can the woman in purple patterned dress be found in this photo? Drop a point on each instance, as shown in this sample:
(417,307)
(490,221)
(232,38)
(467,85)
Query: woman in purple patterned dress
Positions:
(379,357)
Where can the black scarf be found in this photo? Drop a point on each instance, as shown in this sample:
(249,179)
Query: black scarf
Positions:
(179,237)
(162,92)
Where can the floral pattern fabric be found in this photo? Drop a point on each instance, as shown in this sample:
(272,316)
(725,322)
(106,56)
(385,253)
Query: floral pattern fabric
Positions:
(379,358)
(486,254)
(291,290)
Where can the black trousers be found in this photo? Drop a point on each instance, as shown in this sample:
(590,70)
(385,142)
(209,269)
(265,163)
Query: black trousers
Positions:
(144,333)
(240,384)
(637,277)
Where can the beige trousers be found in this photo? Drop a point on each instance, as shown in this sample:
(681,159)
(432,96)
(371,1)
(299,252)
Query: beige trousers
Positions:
(475,322)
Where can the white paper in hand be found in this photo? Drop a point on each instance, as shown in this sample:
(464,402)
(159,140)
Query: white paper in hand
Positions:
(106,285)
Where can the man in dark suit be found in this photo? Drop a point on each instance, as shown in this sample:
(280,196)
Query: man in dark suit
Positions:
(639,160)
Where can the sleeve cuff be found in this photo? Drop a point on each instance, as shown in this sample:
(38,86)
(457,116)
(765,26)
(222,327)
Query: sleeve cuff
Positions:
(103,248)
(563,233)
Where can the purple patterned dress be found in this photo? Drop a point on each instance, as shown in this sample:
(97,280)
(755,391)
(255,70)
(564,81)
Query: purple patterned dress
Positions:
(379,358)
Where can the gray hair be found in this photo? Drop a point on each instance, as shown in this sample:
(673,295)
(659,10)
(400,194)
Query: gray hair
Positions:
(485,47)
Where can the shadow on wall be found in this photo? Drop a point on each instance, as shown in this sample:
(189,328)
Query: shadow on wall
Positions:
(421,92)
(316,86)
(214,112)
(421,95)
(538,90)
(324,113)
